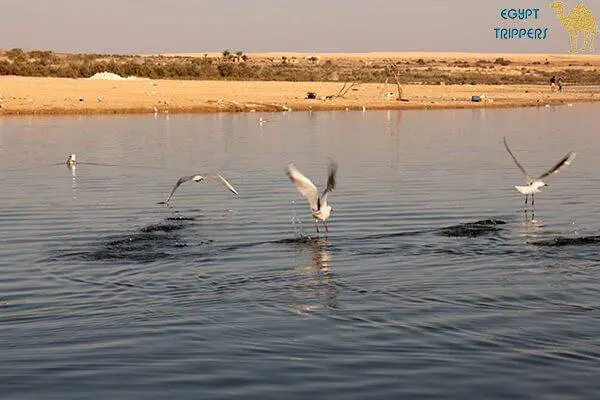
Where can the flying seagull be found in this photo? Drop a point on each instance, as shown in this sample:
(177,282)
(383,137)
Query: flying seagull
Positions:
(199,178)
(533,185)
(318,204)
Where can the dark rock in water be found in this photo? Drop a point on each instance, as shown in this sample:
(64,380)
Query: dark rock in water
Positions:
(565,241)
(139,247)
(162,228)
(301,239)
(151,243)
(179,218)
(472,229)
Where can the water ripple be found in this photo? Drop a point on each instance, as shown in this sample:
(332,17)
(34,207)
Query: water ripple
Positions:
(434,280)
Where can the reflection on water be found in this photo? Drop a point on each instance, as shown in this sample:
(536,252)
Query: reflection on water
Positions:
(393,132)
(529,219)
(317,289)
(433,281)
(531,227)
(73,169)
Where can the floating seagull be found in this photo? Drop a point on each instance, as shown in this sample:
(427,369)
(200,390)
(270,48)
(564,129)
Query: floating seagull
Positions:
(533,185)
(71,161)
(200,178)
(318,204)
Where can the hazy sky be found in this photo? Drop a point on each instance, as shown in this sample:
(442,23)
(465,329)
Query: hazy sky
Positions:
(151,26)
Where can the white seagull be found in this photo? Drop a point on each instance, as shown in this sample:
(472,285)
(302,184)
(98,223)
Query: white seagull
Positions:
(199,178)
(71,161)
(318,204)
(533,185)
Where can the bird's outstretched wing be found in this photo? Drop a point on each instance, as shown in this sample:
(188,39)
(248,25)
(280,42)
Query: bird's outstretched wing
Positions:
(566,160)
(217,177)
(516,161)
(331,180)
(304,185)
(180,181)
(200,177)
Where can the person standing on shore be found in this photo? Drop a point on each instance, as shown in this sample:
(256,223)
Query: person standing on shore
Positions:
(560,84)
(553,83)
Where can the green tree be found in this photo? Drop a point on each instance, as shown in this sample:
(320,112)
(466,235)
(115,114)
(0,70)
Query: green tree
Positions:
(15,54)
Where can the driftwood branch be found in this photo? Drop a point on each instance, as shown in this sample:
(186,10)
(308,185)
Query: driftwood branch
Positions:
(395,71)
(345,89)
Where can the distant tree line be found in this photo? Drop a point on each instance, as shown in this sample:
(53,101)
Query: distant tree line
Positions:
(235,65)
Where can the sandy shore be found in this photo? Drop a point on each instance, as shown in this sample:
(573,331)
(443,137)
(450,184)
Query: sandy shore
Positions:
(25,95)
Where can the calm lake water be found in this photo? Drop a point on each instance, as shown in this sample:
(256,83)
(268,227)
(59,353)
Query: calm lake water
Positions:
(106,294)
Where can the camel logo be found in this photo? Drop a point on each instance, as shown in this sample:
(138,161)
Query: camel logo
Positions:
(579,19)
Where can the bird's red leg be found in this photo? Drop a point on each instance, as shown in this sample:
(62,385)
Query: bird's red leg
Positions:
(317,225)
(326,229)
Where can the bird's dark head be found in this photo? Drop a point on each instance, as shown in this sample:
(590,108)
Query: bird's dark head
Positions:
(538,184)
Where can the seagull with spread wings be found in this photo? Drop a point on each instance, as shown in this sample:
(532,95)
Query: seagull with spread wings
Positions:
(199,178)
(533,185)
(318,203)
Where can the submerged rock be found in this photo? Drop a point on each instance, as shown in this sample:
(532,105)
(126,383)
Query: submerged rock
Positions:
(472,229)
(566,241)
